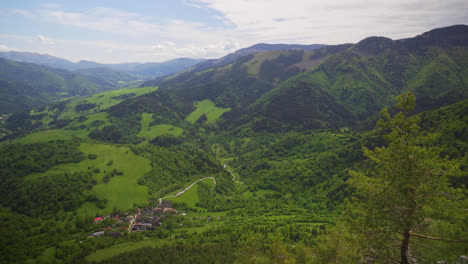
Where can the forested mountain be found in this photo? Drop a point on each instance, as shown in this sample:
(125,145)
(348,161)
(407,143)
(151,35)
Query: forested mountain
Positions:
(333,86)
(146,70)
(106,77)
(41,59)
(271,155)
(27,85)
(216,63)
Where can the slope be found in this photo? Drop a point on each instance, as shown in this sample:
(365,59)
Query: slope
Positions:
(25,85)
(355,83)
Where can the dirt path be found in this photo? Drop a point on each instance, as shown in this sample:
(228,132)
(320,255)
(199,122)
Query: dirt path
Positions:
(233,176)
(186,189)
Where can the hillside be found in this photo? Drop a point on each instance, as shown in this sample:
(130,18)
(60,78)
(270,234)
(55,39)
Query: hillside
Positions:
(230,58)
(41,59)
(107,77)
(26,85)
(145,71)
(367,76)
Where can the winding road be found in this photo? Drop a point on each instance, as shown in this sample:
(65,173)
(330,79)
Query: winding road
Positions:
(186,189)
(233,176)
(132,222)
(191,185)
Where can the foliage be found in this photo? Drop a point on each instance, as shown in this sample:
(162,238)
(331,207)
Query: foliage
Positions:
(407,195)
(215,253)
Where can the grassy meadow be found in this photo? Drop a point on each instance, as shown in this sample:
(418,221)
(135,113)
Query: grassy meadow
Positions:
(97,120)
(208,108)
(121,192)
(150,132)
(102,101)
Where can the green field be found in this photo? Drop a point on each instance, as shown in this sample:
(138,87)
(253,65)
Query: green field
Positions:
(208,108)
(150,132)
(102,101)
(190,198)
(121,192)
(102,254)
(66,133)
(48,135)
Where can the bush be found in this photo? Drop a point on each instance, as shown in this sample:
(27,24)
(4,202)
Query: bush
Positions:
(92,156)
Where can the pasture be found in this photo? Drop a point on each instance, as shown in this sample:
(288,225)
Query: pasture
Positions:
(208,108)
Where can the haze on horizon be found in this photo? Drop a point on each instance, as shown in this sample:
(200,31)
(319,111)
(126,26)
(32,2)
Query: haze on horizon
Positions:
(154,31)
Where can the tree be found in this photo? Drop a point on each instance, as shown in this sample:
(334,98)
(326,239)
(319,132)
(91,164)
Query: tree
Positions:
(405,197)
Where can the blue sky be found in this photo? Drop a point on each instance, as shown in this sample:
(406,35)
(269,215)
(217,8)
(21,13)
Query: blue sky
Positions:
(130,31)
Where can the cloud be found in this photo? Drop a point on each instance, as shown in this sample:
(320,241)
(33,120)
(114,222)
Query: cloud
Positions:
(4,48)
(44,40)
(336,21)
(24,13)
(207,50)
(101,19)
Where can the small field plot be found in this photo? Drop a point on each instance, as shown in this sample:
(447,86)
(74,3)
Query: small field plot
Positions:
(121,191)
(208,108)
(190,197)
(102,254)
(150,132)
(92,104)
(103,101)
(75,129)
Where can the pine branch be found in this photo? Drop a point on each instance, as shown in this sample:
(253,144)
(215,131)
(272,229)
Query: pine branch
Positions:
(440,238)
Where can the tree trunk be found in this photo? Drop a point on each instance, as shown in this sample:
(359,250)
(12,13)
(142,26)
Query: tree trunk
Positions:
(404,247)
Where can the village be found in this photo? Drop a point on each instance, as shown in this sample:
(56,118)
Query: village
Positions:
(146,219)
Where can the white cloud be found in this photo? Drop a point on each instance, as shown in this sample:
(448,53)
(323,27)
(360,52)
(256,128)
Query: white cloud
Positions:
(336,21)
(127,36)
(4,48)
(25,13)
(44,40)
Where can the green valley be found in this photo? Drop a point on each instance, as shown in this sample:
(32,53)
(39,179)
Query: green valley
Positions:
(352,153)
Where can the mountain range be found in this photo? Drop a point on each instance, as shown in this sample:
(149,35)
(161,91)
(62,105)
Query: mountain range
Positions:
(141,70)
(332,86)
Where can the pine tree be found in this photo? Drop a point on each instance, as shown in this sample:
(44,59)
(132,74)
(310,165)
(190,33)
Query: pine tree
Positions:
(405,199)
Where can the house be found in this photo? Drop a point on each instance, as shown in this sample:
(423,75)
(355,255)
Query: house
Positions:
(169,210)
(115,234)
(97,234)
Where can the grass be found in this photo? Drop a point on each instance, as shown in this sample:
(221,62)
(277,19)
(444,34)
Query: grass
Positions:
(190,197)
(121,192)
(102,254)
(102,101)
(150,132)
(48,135)
(253,66)
(208,108)
(62,134)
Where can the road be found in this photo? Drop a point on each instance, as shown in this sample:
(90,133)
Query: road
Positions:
(233,176)
(186,189)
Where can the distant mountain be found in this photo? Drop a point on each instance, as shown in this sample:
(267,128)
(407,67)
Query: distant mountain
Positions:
(155,69)
(41,59)
(245,80)
(26,85)
(146,70)
(361,80)
(107,77)
(332,86)
(257,48)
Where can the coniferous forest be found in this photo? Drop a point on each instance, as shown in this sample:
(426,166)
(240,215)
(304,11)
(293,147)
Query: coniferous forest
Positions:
(353,153)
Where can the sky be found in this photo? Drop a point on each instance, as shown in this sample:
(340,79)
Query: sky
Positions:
(116,31)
